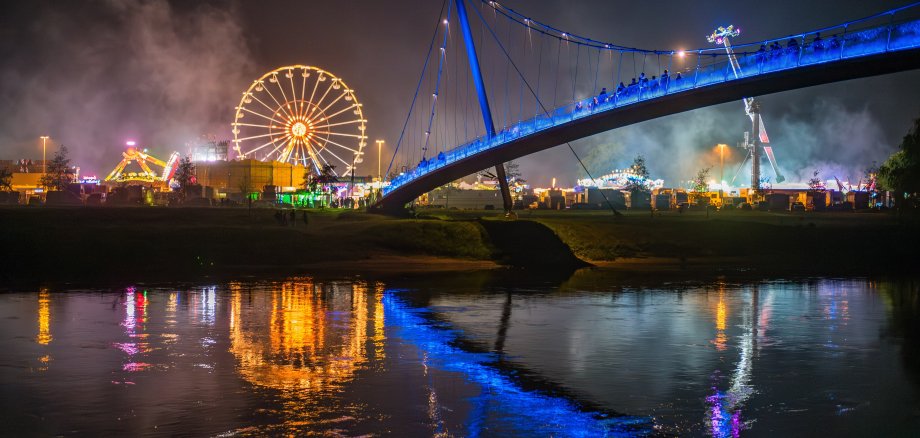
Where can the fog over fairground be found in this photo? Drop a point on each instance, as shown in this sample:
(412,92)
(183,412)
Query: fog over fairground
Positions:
(92,74)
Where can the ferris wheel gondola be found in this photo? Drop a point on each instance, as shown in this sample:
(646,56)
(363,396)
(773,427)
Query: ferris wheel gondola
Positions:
(302,115)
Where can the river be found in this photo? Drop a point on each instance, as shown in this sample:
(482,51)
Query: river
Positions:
(470,355)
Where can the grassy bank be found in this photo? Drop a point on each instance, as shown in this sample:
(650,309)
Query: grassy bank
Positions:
(149,242)
(741,238)
(820,243)
(133,243)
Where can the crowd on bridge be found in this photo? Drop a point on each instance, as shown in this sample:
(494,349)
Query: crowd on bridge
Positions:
(768,53)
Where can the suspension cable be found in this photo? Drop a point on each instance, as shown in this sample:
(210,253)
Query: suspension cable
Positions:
(434,36)
(546,111)
(437,87)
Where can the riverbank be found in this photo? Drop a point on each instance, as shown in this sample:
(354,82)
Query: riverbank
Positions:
(132,244)
(778,243)
(74,244)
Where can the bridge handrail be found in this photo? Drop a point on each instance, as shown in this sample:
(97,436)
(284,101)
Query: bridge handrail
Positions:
(881,39)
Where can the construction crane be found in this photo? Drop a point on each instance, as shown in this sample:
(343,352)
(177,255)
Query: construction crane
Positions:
(752,143)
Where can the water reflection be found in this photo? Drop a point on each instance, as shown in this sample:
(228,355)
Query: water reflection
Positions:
(502,406)
(134,324)
(313,339)
(463,359)
(44,318)
(725,406)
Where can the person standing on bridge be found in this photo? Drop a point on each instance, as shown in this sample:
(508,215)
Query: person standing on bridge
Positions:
(792,46)
(818,43)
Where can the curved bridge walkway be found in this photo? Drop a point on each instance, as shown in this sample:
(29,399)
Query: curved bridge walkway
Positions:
(850,54)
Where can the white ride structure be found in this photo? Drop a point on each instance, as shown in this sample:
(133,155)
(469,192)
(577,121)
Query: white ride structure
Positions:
(723,36)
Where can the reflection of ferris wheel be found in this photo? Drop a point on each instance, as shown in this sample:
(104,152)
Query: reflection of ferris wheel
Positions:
(302,115)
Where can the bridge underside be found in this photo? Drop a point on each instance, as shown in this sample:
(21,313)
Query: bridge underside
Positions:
(783,80)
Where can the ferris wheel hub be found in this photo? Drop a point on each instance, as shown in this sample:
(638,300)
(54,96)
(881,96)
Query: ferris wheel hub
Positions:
(299,130)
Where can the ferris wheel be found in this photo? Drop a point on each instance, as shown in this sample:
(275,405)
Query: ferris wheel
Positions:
(302,115)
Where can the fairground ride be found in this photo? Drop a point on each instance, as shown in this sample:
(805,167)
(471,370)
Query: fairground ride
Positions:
(144,161)
(723,36)
(302,115)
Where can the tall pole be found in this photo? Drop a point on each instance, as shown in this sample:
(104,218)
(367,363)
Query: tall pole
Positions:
(483,99)
(721,172)
(379,148)
(755,149)
(44,160)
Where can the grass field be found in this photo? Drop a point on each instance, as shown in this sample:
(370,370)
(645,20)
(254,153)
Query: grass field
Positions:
(66,243)
(124,242)
(825,238)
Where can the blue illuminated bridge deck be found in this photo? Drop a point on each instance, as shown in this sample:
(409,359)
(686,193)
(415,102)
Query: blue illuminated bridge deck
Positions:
(849,53)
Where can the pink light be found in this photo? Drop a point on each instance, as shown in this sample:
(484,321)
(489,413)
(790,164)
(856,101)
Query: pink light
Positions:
(130,143)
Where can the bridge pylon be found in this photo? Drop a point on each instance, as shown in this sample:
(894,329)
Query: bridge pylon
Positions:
(476,74)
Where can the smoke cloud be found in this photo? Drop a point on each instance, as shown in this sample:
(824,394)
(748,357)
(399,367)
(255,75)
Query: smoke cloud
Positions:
(822,134)
(107,71)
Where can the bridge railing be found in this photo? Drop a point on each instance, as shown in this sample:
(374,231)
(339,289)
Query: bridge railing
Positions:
(900,30)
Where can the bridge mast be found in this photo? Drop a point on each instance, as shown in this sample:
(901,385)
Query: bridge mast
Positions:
(483,99)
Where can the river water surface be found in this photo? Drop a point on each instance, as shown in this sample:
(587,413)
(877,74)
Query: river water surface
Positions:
(587,356)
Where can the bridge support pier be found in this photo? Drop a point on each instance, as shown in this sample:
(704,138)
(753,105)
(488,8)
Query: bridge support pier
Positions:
(503,185)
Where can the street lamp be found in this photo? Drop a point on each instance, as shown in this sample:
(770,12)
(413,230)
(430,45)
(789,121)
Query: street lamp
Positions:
(44,161)
(379,147)
(721,172)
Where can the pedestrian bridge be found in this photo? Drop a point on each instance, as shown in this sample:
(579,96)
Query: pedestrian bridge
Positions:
(878,45)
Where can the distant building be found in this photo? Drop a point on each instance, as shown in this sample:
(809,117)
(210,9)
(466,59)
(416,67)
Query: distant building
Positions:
(451,197)
(210,151)
(236,178)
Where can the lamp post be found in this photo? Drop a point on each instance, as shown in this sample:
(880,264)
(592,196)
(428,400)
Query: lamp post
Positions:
(721,172)
(379,148)
(44,161)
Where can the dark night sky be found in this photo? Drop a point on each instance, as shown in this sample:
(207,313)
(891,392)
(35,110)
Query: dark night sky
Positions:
(93,73)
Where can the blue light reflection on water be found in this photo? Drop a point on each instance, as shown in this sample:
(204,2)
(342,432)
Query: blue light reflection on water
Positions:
(524,411)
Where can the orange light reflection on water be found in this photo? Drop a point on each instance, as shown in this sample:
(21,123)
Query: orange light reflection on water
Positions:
(721,340)
(313,341)
(315,338)
(44,318)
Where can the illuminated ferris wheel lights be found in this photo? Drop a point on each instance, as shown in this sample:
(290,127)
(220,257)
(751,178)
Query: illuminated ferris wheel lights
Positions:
(297,112)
